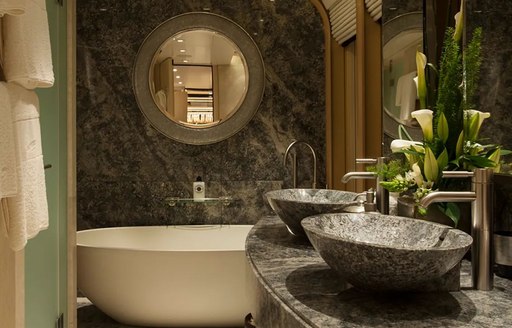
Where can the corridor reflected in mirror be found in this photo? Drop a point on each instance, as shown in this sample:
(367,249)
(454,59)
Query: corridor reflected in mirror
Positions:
(198,78)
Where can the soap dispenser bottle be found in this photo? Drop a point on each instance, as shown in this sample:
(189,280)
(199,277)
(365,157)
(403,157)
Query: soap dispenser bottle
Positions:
(199,189)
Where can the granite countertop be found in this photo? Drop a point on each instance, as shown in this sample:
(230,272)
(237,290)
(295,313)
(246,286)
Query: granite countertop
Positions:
(305,284)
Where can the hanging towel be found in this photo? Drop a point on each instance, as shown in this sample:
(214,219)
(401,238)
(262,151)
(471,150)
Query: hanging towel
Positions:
(12,7)
(27,212)
(27,51)
(8,177)
(406,95)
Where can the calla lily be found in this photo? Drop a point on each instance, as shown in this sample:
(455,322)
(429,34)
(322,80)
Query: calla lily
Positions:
(475,119)
(424,118)
(421,84)
(442,128)
(398,145)
(431,167)
(495,157)
(459,23)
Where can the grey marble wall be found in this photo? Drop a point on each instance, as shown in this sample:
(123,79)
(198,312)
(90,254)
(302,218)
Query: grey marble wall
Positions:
(496,72)
(126,168)
(495,94)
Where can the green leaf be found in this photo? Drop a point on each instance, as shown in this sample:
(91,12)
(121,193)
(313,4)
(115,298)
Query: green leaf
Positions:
(442,160)
(431,169)
(452,211)
(460,145)
(479,161)
(421,62)
(410,151)
(505,152)
(403,134)
(473,127)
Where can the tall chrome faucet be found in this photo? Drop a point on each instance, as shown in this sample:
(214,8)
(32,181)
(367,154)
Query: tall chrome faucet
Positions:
(481,196)
(382,194)
(294,163)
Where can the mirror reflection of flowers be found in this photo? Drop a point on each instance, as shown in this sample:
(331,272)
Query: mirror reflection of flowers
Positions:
(449,123)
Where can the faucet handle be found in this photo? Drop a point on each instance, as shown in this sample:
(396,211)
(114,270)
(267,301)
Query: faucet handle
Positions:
(366,161)
(458,174)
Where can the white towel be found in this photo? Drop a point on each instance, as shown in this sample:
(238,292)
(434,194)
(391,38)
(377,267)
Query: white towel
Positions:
(406,95)
(8,176)
(12,7)
(27,212)
(27,50)
(161,100)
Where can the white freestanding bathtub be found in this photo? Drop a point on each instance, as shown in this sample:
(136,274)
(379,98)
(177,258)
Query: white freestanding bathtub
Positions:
(166,276)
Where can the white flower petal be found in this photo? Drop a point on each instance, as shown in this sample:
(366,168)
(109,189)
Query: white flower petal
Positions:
(399,145)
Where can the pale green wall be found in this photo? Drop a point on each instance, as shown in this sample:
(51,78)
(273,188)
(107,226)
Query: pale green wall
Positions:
(45,257)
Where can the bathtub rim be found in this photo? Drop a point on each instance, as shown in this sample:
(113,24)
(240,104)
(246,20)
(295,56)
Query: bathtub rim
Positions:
(188,227)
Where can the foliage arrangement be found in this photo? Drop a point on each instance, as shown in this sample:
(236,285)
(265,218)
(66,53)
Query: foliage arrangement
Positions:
(449,123)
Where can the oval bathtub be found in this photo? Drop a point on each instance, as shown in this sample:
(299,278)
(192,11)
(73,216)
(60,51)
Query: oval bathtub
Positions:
(182,276)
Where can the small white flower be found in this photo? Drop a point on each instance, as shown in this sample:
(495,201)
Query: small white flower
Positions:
(416,175)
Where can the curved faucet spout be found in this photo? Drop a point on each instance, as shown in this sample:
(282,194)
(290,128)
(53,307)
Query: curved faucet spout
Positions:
(358,175)
(290,146)
(447,196)
(481,197)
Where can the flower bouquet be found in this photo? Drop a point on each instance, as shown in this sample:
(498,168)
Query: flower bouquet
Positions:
(449,123)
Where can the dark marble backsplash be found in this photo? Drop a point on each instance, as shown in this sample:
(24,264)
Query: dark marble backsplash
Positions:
(496,71)
(495,94)
(126,169)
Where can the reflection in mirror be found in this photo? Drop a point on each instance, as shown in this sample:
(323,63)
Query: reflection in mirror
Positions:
(198,77)
(402,37)
(400,96)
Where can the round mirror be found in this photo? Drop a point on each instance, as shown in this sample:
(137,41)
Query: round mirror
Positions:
(402,37)
(198,78)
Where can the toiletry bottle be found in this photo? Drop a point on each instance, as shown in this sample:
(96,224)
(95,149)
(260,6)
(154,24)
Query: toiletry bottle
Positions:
(199,190)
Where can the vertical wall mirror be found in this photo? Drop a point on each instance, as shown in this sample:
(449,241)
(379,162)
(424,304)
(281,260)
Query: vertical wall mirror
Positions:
(407,26)
(402,36)
(198,78)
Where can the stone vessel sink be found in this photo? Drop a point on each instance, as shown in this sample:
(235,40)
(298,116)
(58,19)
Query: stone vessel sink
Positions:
(383,252)
(293,205)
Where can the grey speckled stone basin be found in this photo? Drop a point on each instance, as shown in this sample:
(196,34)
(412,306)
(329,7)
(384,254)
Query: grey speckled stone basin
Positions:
(293,205)
(384,252)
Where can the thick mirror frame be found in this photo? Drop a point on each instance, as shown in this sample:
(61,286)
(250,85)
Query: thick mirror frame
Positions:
(224,129)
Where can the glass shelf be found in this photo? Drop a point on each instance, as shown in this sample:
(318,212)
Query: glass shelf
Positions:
(224,200)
